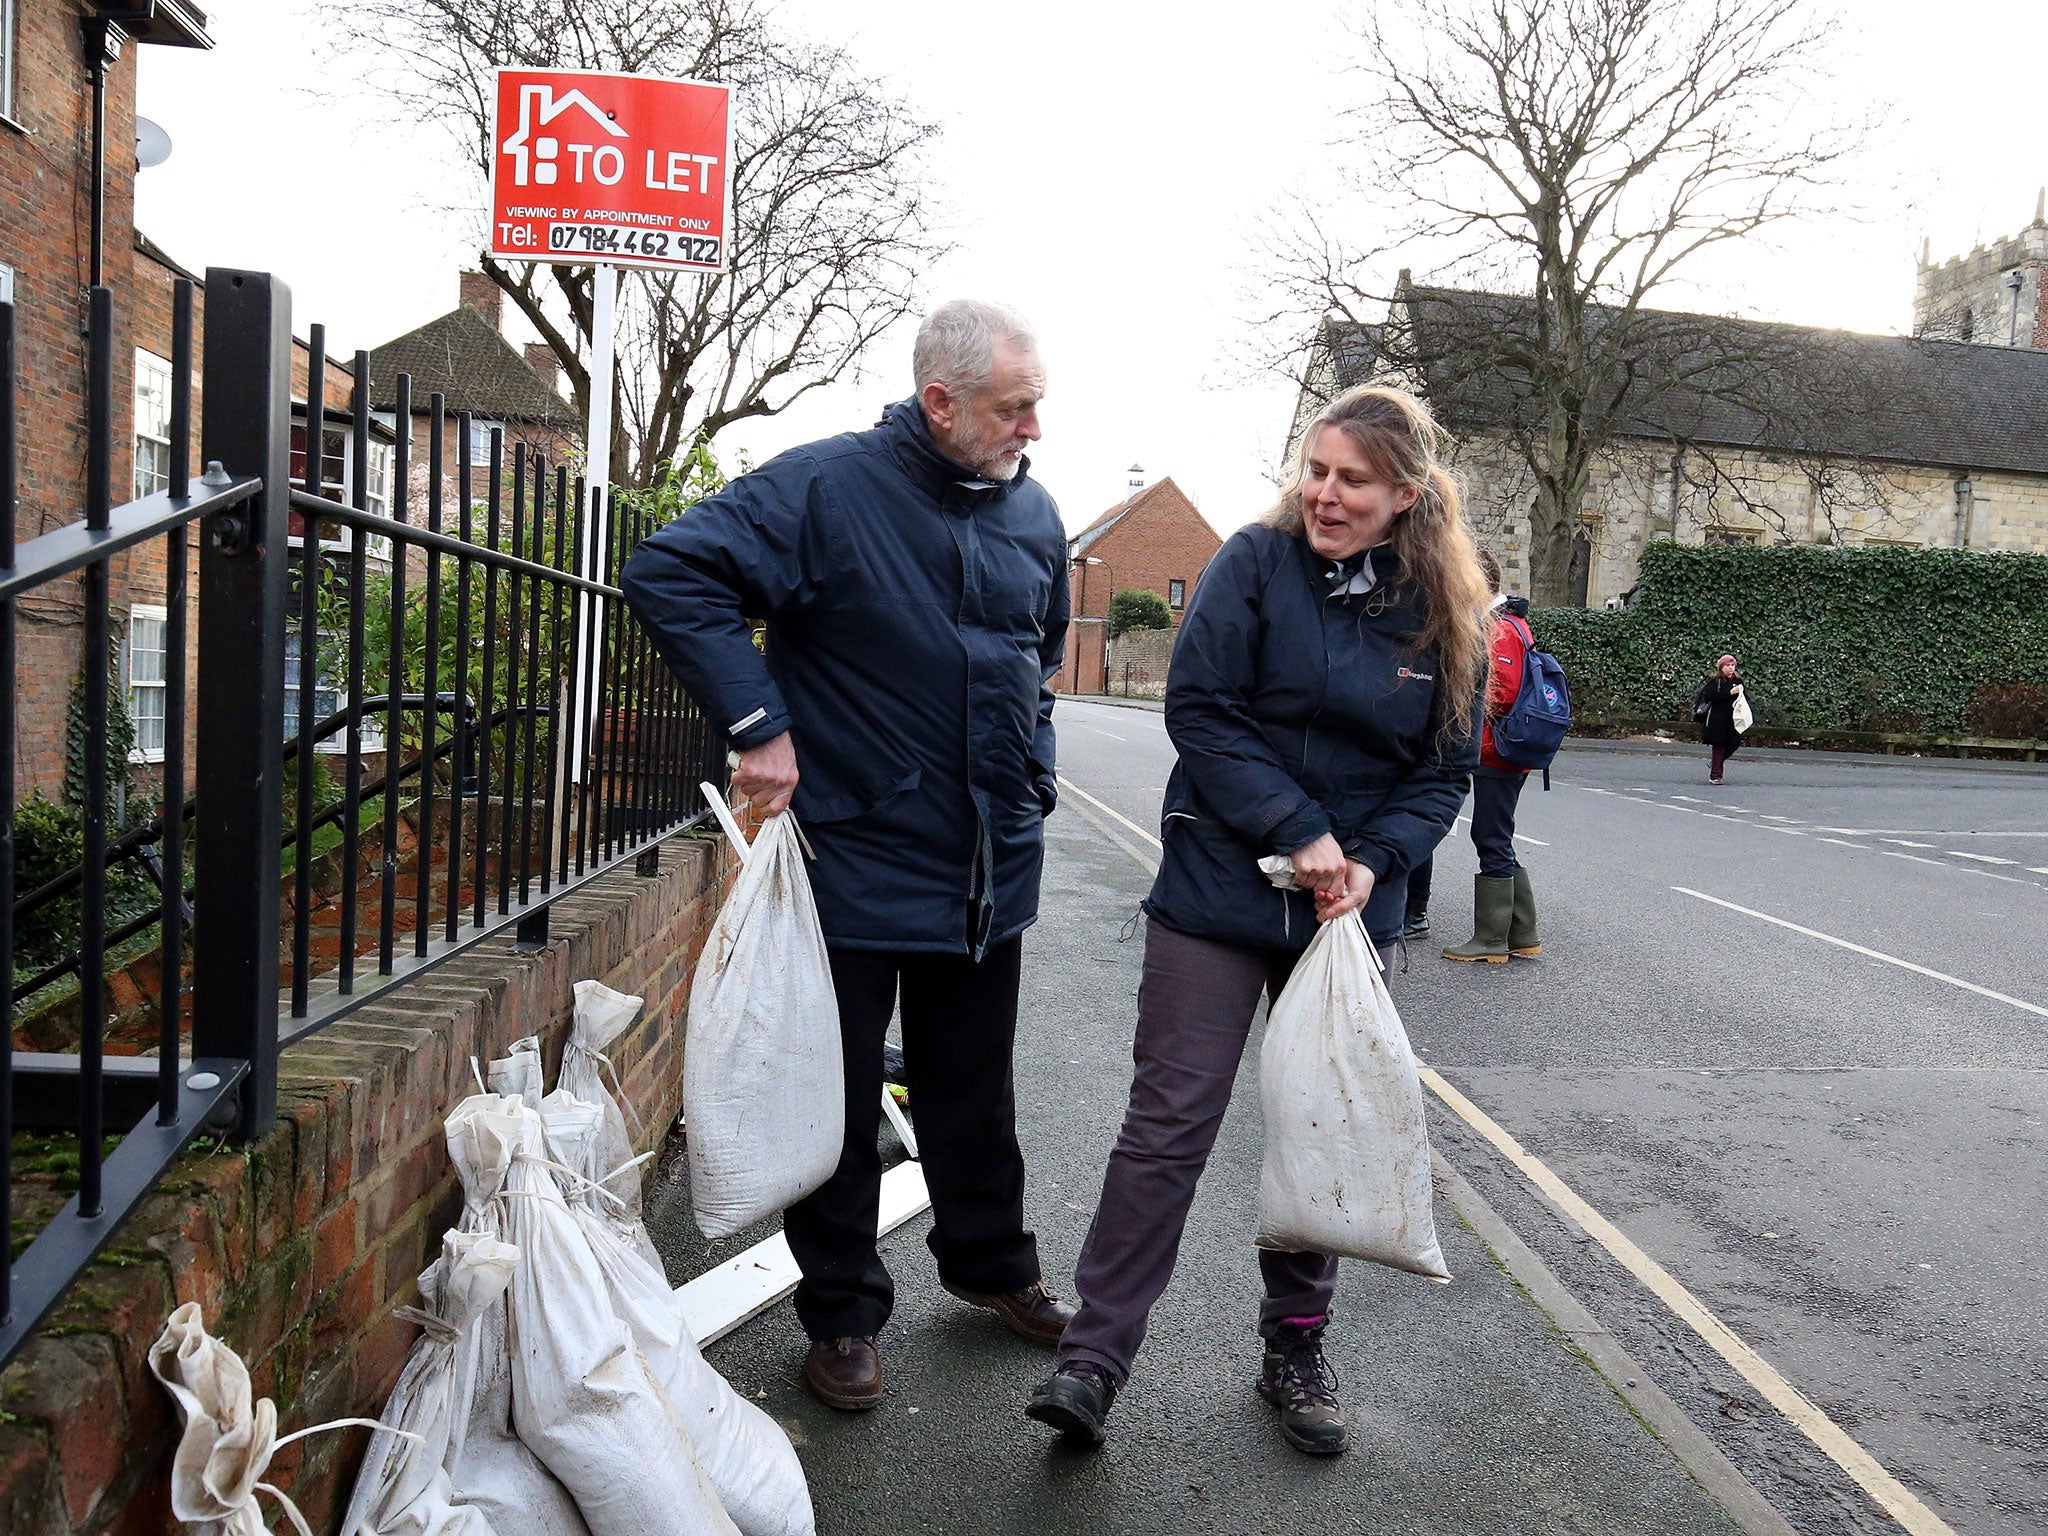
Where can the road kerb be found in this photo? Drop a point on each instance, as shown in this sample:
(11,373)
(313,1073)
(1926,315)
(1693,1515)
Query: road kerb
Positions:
(1693,1448)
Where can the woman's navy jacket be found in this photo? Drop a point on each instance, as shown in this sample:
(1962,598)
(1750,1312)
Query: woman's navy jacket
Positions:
(915,619)
(1296,714)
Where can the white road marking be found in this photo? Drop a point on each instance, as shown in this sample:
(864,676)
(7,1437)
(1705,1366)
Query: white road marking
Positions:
(1874,954)
(1794,820)
(1534,842)
(1981,858)
(1905,842)
(1840,844)
(1897,1500)
(1098,730)
(2032,870)
(1889,832)
(1893,853)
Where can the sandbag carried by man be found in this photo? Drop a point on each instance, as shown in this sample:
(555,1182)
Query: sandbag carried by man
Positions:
(913,581)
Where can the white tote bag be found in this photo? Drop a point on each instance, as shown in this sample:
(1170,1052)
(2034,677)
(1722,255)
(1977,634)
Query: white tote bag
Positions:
(1346,1166)
(764,1085)
(1743,718)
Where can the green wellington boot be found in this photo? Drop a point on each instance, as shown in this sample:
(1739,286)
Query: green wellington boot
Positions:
(1522,921)
(1493,905)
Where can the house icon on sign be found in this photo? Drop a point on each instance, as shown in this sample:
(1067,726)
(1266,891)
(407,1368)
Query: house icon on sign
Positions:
(536,161)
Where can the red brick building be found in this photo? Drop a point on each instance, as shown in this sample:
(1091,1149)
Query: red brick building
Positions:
(46,263)
(1153,539)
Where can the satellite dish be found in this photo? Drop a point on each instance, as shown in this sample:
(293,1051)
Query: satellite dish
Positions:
(152,144)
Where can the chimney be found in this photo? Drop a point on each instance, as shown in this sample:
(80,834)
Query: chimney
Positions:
(540,357)
(483,296)
(1137,481)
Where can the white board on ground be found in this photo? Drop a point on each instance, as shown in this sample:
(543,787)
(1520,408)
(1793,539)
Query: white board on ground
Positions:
(749,1283)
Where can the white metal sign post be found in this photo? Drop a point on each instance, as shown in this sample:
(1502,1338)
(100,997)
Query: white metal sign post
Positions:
(608,171)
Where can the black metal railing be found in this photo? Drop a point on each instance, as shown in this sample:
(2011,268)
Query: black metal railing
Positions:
(500,731)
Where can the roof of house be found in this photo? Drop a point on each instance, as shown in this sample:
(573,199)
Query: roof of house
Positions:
(1738,383)
(465,358)
(1159,493)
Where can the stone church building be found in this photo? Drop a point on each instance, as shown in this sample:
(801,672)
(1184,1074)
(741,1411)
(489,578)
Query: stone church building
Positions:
(1740,431)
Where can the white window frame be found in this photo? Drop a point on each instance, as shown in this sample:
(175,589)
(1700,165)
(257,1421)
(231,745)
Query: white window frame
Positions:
(157,614)
(6,274)
(376,485)
(7,48)
(152,420)
(326,701)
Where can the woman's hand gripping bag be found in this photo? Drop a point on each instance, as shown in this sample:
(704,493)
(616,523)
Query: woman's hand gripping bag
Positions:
(764,1088)
(1346,1166)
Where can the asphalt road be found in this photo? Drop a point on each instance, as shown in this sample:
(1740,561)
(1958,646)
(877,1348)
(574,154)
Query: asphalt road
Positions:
(1840,1157)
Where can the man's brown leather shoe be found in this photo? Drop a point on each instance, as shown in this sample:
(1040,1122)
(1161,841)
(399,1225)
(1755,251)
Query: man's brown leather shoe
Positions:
(1033,1313)
(844,1373)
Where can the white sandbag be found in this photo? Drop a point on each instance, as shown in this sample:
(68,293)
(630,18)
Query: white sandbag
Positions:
(744,1452)
(491,1469)
(582,1397)
(229,1434)
(601,1017)
(764,1088)
(518,1073)
(1346,1165)
(403,1487)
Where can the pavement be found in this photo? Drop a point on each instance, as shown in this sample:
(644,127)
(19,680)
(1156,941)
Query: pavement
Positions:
(1782,1054)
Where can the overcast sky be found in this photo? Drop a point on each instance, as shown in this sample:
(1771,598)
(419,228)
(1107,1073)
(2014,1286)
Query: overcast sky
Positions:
(1105,164)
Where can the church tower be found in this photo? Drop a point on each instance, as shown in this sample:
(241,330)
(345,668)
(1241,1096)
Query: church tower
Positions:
(1996,296)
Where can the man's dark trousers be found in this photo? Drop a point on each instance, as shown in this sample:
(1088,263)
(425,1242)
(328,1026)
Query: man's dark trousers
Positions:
(959,1027)
(1494,793)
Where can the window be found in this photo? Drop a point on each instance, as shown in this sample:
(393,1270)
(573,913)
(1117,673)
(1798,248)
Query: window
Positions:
(6,272)
(146,641)
(7,74)
(480,440)
(1176,594)
(1734,536)
(152,423)
(326,695)
(336,459)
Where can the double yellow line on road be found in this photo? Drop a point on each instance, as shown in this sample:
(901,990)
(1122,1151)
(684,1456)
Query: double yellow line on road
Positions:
(1835,1443)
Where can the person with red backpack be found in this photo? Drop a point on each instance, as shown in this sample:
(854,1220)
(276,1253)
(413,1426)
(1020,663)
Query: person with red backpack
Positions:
(1504,903)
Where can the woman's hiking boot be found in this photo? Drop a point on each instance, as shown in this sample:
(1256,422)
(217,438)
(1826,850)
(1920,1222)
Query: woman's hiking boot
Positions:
(1075,1401)
(1297,1379)
(1493,907)
(1415,923)
(1522,920)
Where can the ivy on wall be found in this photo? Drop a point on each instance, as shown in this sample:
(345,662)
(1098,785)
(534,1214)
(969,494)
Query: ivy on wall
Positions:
(1940,642)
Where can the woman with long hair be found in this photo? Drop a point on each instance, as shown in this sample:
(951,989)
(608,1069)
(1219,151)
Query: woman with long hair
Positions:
(1323,698)
(1714,707)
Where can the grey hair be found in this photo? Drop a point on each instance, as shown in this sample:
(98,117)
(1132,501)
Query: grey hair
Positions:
(956,345)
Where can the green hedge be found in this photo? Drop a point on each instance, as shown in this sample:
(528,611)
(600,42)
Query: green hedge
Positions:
(1945,642)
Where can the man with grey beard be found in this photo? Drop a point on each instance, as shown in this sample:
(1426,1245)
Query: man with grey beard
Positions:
(913,581)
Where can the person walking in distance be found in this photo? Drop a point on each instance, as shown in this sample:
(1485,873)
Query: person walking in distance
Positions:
(913,581)
(1714,707)
(1503,901)
(1321,699)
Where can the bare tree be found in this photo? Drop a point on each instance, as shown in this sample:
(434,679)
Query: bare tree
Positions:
(830,226)
(1573,157)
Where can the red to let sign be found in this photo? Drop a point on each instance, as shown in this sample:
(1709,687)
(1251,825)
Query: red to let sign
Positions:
(627,169)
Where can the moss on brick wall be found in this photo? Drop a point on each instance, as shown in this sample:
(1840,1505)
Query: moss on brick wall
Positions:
(1935,641)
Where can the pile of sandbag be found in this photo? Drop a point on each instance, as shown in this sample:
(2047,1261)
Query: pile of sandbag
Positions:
(555,1390)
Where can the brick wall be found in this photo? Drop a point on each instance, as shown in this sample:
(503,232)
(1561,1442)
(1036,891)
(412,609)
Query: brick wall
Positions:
(299,1245)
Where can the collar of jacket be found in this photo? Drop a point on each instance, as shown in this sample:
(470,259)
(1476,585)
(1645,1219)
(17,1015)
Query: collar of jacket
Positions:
(1328,577)
(910,438)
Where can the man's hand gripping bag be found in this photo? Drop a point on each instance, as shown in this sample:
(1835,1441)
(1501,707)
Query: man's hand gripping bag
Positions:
(1346,1166)
(764,1088)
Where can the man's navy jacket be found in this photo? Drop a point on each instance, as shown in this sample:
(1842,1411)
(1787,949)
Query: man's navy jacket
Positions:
(1298,712)
(916,618)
